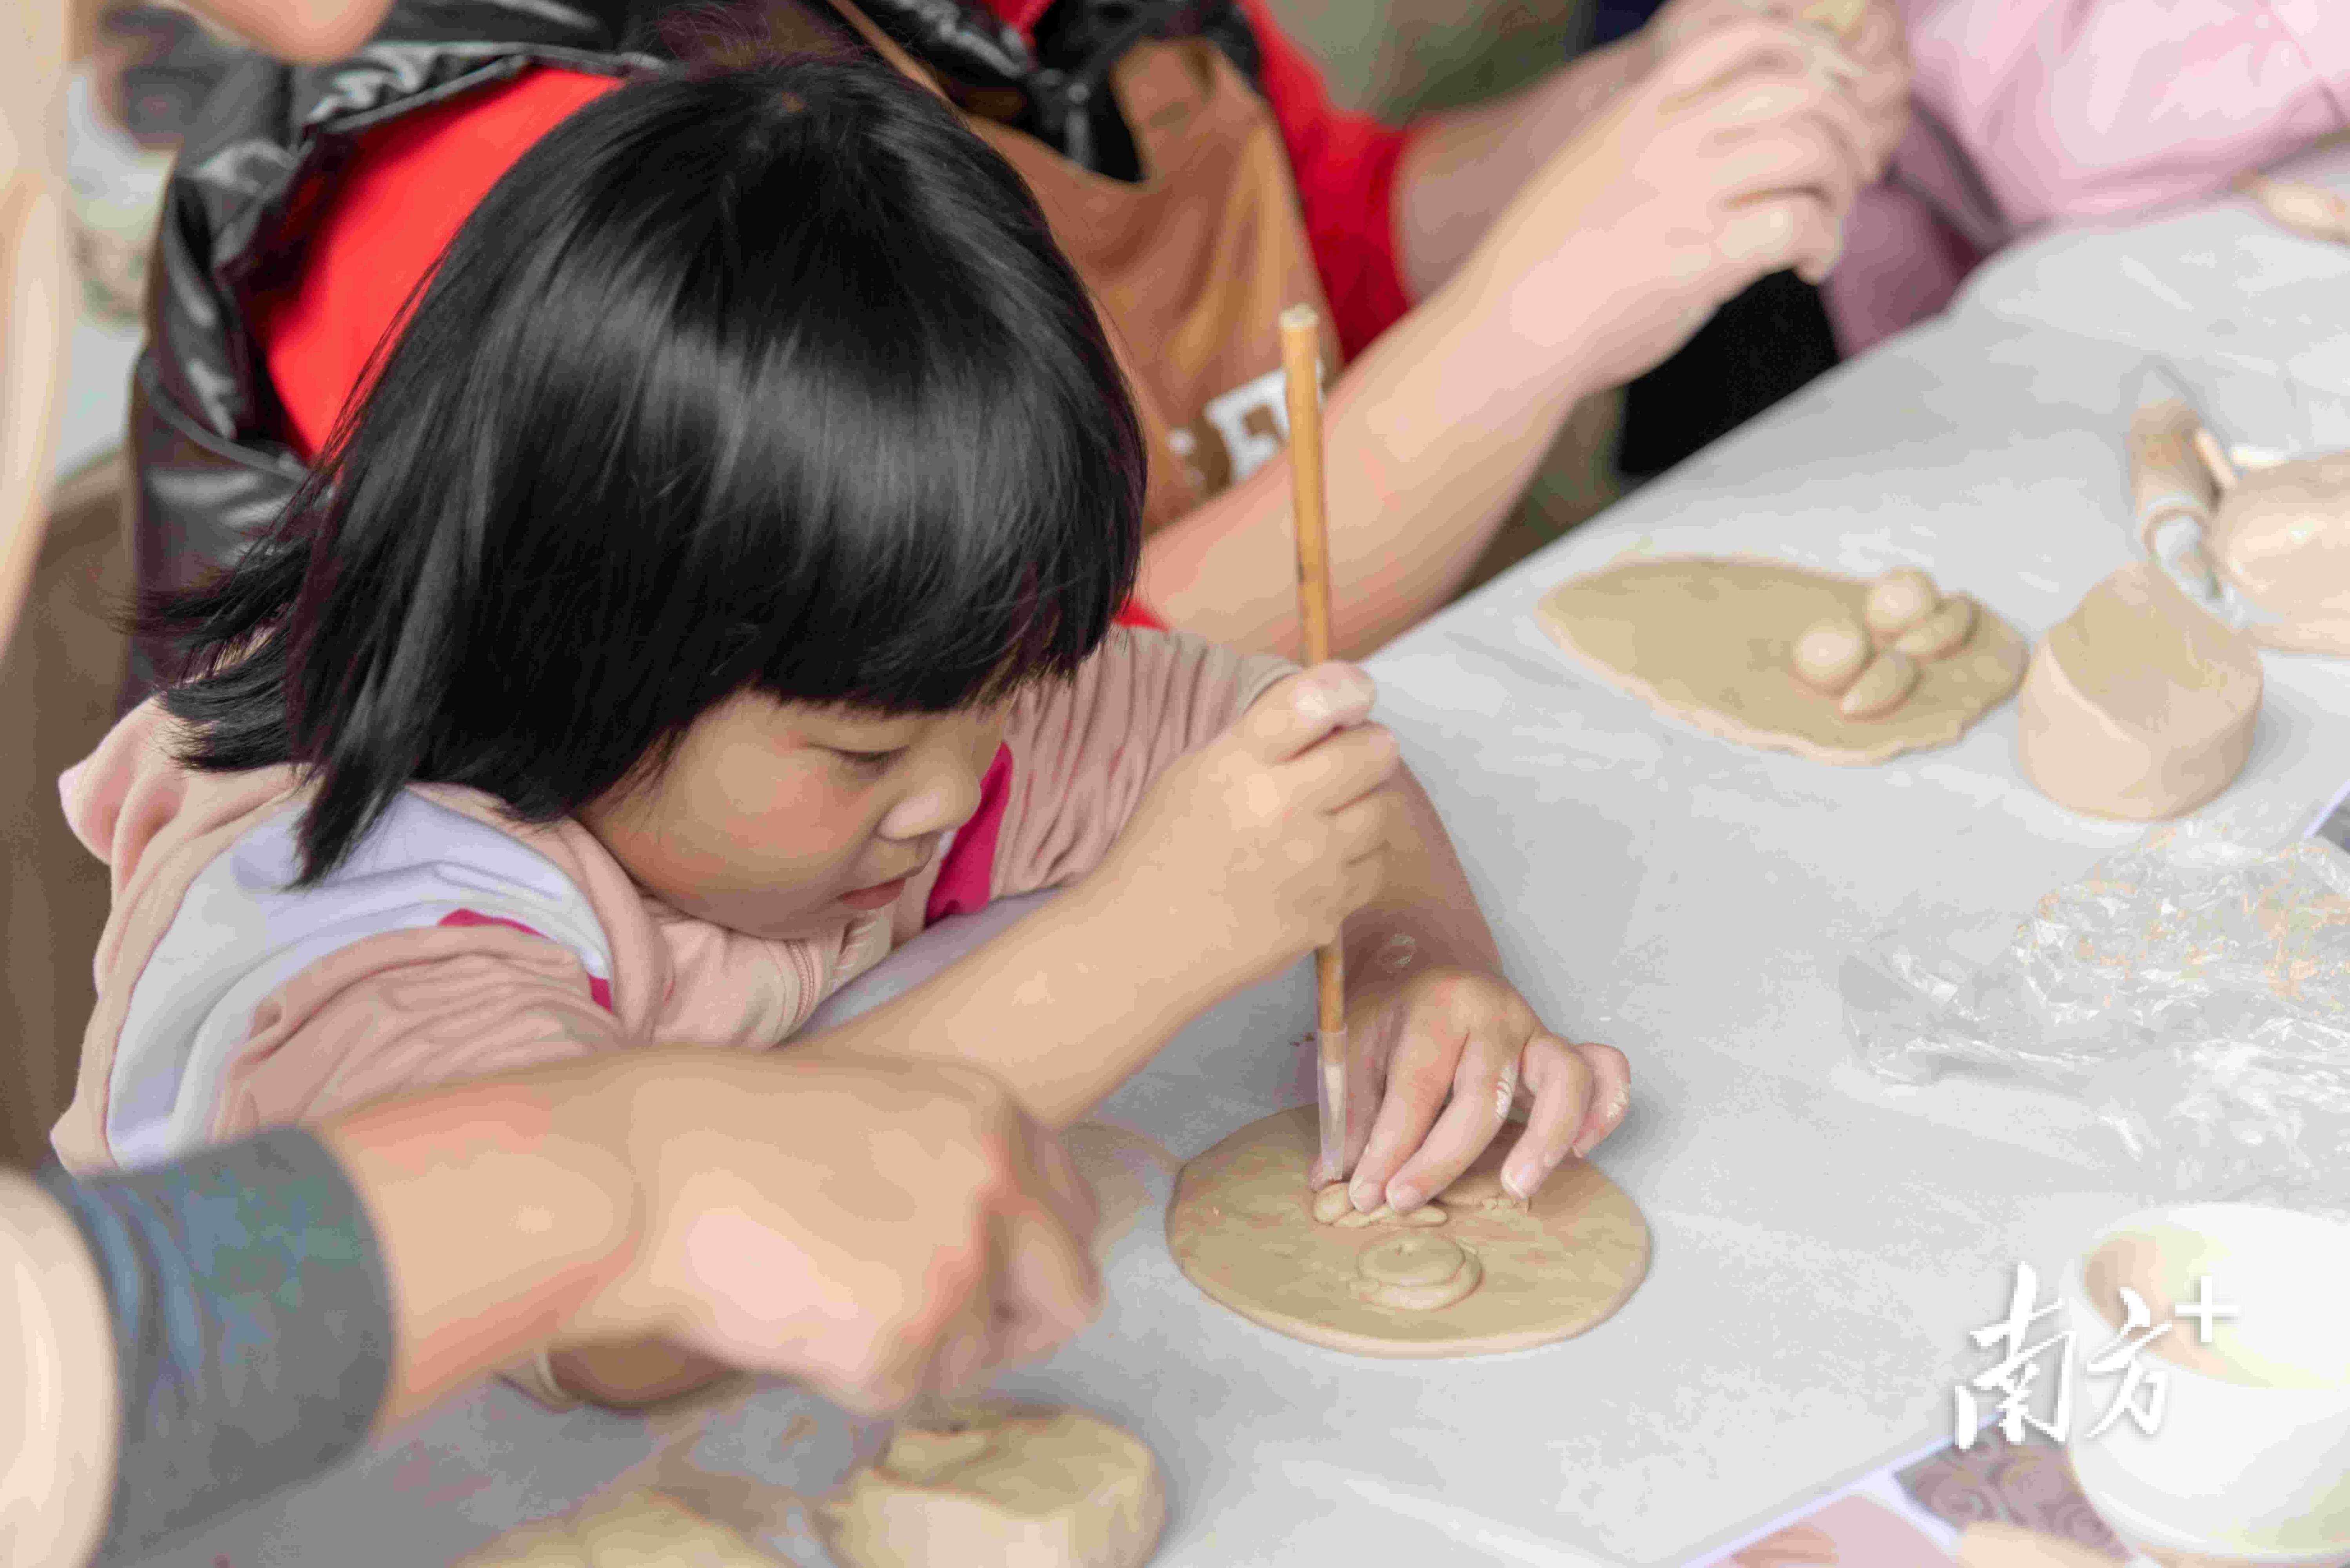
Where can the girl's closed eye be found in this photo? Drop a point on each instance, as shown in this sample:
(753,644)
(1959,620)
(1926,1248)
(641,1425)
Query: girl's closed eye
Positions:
(870,763)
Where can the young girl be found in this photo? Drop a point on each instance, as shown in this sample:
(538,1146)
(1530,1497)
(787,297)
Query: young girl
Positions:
(715,587)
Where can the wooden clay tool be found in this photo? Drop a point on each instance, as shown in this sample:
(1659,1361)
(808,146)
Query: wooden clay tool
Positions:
(1301,354)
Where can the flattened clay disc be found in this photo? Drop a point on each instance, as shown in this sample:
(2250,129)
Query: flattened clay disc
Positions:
(1242,1230)
(1707,641)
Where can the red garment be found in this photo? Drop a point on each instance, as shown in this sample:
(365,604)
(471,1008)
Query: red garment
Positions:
(409,186)
(406,190)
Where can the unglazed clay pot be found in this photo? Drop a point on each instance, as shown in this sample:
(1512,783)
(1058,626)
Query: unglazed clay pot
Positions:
(2281,537)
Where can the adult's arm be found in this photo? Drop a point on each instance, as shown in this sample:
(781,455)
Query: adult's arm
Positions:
(1433,432)
(196,1337)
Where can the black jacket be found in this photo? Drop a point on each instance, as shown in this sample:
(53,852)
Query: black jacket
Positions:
(207,433)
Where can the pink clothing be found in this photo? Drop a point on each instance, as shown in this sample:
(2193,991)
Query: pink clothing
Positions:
(455,943)
(2076,108)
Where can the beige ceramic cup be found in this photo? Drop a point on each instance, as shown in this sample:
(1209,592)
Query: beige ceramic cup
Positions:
(2250,1461)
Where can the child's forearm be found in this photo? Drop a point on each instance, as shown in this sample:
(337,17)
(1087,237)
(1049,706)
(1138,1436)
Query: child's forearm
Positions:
(1425,916)
(1061,1009)
(1432,435)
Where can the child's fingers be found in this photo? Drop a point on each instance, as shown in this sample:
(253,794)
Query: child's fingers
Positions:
(1611,1096)
(1419,1078)
(1482,1087)
(1367,1082)
(1343,768)
(1360,881)
(1304,708)
(1561,1082)
(1366,825)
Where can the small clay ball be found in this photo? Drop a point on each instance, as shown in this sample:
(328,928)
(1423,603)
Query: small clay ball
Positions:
(1884,686)
(1831,654)
(1900,600)
(1941,634)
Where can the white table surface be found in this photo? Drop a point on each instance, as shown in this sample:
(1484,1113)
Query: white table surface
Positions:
(1823,1243)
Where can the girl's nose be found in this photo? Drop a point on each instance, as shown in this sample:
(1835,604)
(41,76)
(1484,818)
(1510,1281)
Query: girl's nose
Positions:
(944,801)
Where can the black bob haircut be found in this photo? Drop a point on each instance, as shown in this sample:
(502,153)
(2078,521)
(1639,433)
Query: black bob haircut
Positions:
(770,379)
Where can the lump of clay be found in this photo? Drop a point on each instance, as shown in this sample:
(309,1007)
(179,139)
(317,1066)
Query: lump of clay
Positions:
(2310,210)
(1332,1207)
(2140,704)
(1830,655)
(1940,634)
(2281,537)
(1025,1489)
(1417,1273)
(1884,686)
(1480,1191)
(1900,600)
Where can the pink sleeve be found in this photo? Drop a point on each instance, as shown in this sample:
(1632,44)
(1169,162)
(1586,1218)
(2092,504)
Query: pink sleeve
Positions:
(407,1010)
(2085,108)
(1901,265)
(1084,751)
(2080,110)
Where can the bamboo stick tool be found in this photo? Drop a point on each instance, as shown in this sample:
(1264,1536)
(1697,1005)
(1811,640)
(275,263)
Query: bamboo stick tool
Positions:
(1301,357)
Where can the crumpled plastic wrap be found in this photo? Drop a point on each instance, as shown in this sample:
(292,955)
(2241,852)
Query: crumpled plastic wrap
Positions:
(2193,989)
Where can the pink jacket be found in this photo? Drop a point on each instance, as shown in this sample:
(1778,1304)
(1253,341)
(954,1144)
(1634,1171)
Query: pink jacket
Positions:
(455,943)
(2076,108)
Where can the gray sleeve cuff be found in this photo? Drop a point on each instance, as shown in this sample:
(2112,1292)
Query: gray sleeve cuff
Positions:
(252,1326)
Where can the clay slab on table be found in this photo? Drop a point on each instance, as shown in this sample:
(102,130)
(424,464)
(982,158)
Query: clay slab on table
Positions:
(1708,640)
(1241,1228)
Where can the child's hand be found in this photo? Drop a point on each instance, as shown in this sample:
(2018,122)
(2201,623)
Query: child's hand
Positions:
(1438,1059)
(1733,159)
(1253,850)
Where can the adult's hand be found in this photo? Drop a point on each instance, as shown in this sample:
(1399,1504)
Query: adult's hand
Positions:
(876,1229)
(1870,57)
(1733,160)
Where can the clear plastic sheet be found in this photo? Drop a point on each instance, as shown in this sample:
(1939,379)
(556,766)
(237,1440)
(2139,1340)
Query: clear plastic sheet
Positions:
(2193,989)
